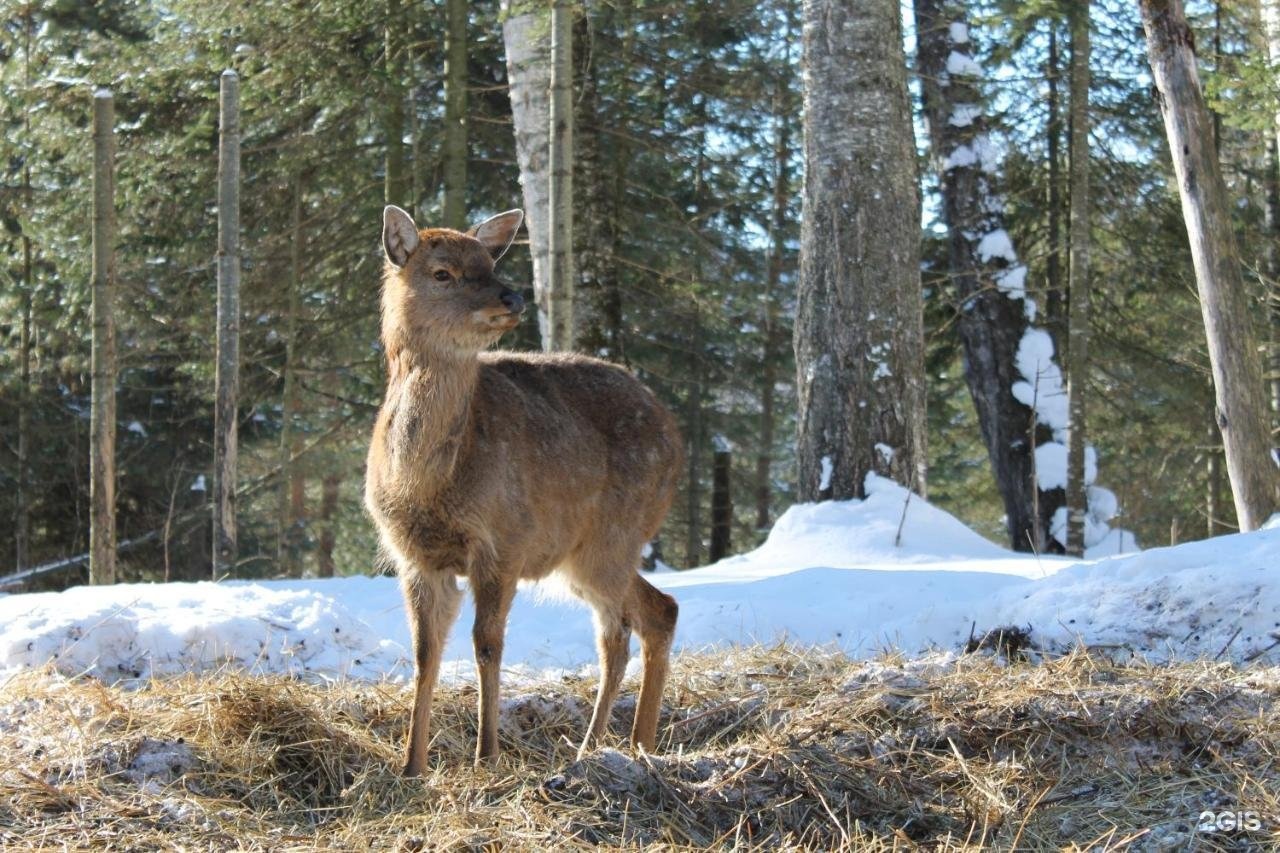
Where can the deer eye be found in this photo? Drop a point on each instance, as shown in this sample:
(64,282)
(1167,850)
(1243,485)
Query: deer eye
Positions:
(442,275)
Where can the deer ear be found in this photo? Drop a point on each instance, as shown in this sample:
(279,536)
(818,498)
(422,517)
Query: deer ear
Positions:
(399,235)
(497,232)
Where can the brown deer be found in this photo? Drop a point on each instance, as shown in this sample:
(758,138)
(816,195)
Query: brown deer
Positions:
(501,467)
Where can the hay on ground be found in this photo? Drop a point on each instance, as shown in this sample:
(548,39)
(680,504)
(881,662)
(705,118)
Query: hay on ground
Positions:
(763,748)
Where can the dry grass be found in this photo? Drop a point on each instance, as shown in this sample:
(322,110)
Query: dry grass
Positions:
(766,748)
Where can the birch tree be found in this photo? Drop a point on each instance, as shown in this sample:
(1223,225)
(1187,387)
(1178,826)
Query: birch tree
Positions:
(526,36)
(858,330)
(1233,352)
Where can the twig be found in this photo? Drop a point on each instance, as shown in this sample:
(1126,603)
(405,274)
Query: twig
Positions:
(897,540)
(1223,650)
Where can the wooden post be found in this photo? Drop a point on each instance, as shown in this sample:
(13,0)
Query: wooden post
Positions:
(102,440)
(721,499)
(560,277)
(227,375)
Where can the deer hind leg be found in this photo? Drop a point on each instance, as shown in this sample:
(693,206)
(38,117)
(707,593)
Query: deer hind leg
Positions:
(493,595)
(654,615)
(431,598)
(613,641)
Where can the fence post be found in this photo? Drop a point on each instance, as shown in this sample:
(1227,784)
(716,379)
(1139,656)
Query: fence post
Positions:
(227,372)
(102,440)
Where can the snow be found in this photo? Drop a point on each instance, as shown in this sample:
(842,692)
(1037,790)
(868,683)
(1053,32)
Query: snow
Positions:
(827,470)
(1013,280)
(199,485)
(962,64)
(137,428)
(958,33)
(960,158)
(888,572)
(963,115)
(997,244)
(1042,388)
(1051,470)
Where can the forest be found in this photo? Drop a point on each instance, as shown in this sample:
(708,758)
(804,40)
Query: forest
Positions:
(943,241)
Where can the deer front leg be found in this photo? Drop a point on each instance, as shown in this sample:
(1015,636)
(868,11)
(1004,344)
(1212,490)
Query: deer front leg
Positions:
(493,595)
(431,599)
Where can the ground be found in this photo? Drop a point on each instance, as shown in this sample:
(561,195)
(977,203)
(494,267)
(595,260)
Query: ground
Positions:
(761,748)
(874,676)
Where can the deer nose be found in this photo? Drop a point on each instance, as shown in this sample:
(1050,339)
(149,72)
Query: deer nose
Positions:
(513,301)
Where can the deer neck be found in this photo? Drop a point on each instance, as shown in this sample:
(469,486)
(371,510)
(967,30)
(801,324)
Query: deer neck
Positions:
(429,400)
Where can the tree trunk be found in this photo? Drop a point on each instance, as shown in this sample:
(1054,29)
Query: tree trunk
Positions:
(394,184)
(858,333)
(1056,295)
(455,116)
(1271,260)
(1271,26)
(1233,352)
(560,274)
(102,441)
(525,33)
(596,310)
(993,313)
(289,512)
(1078,309)
(227,373)
(694,425)
(22,498)
(772,333)
(721,500)
(328,521)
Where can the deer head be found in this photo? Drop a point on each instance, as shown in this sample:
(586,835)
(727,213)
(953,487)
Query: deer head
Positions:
(440,291)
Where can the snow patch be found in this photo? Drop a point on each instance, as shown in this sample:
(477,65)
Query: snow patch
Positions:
(997,244)
(963,65)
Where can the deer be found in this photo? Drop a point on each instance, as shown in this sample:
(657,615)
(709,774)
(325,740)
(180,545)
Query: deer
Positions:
(501,467)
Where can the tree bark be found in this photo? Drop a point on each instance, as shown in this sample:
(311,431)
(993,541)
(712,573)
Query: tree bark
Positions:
(22,498)
(1056,295)
(772,333)
(227,374)
(721,500)
(858,332)
(693,458)
(1078,309)
(328,521)
(525,32)
(1271,26)
(455,116)
(993,312)
(1224,303)
(289,513)
(102,441)
(394,184)
(560,278)
(597,302)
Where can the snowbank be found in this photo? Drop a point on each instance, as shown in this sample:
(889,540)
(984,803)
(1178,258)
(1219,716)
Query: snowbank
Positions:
(833,573)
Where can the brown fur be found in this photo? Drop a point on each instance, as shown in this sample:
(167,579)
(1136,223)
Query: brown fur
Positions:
(503,467)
